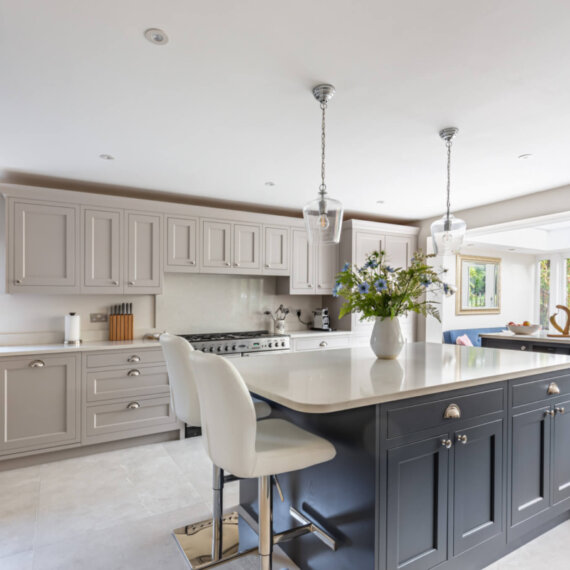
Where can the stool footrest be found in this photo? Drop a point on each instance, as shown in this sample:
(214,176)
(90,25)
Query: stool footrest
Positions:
(308,526)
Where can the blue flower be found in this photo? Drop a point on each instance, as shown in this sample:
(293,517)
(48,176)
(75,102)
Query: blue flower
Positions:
(446,288)
(380,285)
(346,266)
(337,287)
(371,263)
(425,282)
(363,288)
(390,269)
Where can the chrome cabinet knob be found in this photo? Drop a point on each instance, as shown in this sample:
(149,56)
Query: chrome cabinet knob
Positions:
(37,364)
(549,413)
(236,264)
(131,283)
(114,282)
(309,286)
(323,344)
(553,389)
(462,439)
(268,266)
(523,347)
(228,263)
(133,406)
(447,443)
(452,412)
(134,372)
(191,262)
(18,281)
(559,410)
(134,358)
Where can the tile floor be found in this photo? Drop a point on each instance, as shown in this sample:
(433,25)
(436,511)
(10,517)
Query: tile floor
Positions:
(115,511)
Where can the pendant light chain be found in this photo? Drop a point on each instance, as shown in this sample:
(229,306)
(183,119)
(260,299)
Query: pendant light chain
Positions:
(448,144)
(323,186)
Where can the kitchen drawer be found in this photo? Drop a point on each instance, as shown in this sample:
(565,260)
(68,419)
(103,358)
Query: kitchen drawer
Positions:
(408,419)
(128,382)
(129,415)
(321,342)
(124,357)
(524,346)
(537,390)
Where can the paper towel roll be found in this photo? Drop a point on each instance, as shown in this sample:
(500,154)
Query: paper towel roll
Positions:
(72,329)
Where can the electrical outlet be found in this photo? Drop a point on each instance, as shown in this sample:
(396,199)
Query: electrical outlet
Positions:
(98,317)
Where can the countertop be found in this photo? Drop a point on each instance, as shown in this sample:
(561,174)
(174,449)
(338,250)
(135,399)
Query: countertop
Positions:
(336,380)
(536,337)
(310,332)
(85,347)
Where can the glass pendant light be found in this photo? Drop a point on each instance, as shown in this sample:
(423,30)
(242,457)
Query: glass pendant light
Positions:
(323,216)
(449,231)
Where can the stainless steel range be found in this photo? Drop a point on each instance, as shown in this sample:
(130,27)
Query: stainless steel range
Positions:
(239,343)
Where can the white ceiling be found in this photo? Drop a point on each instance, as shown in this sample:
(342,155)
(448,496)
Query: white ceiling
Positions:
(226,105)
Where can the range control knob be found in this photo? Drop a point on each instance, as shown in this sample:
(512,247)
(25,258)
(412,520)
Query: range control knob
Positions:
(270,345)
(233,347)
(211,349)
(226,348)
(219,348)
(282,343)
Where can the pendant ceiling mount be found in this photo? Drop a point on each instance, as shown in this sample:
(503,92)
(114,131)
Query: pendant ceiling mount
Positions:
(323,216)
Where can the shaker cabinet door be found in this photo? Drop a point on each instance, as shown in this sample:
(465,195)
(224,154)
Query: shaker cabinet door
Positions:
(247,247)
(417,504)
(39,402)
(399,250)
(327,267)
(216,244)
(276,250)
(561,452)
(102,251)
(366,243)
(530,457)
(181,245)
(478,485)
(303,267)
(143,253)
(44,248)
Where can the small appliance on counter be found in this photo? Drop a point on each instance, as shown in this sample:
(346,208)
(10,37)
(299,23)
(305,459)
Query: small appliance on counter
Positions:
(321,320)
(72,334)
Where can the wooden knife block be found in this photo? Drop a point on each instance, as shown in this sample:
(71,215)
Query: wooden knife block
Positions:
(121,327)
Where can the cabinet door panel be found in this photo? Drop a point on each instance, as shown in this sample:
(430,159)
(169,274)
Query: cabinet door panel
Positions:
(276,250)
(38,403)
(366,243)
(102,246)
(303,268)
(530,493)
(417,504)
(143,252)
(399,250)
(327,268)
(45,246)
(216,244)
(561,453)
(247,253)
(181,250)
(478,486)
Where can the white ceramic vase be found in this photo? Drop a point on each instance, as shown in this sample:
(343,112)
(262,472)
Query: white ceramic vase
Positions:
(387,339)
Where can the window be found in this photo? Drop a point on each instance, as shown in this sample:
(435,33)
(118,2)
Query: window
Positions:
(544,292)
(568,282)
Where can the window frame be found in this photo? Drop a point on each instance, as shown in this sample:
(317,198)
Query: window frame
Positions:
(558,280)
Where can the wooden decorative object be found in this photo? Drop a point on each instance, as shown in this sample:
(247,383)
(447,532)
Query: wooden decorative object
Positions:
(565,332)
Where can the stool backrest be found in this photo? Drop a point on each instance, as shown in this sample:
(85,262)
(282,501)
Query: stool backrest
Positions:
(183,388)
(228,413)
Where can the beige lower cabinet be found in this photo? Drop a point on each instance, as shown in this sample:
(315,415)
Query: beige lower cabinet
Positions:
(40,402)
(321,342)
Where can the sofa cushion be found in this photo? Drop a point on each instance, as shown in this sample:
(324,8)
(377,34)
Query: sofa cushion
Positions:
(450,337)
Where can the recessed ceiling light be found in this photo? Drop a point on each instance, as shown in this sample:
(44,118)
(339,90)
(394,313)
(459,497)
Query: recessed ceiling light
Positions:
(469,244)
(156,36)
(270,183)
(107,156)
(512,249)
(525,156)
(379,201)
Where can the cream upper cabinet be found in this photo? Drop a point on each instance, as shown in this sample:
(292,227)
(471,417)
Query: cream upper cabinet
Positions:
(43,252)
(302,279)
(216,244)
(399,250)
(246,246)
(102,250)
(366,243)
(181,245)
(39,402)
(327,268)
(144,253)
(276,250)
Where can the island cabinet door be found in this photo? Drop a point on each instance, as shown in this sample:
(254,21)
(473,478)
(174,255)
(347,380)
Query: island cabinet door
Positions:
(561,452)
(417,504)
(477,485)
(530,479)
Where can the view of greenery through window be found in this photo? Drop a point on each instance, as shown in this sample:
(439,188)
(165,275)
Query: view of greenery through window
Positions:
(477,276)
(544,268)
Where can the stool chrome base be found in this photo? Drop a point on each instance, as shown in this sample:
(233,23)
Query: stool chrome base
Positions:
(195,540)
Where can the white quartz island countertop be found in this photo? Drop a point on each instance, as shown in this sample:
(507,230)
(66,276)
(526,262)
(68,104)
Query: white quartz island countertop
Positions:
(335,380)
(537,337)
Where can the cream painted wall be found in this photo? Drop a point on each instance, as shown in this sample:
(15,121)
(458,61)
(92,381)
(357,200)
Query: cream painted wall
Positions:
(216,303)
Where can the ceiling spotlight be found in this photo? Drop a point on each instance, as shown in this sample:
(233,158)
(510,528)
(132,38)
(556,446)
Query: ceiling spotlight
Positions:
(270,183)
(379,201)
(107,156)
(525,156)
(156,36)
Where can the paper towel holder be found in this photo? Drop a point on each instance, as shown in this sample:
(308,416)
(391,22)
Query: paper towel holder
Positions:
(69,332)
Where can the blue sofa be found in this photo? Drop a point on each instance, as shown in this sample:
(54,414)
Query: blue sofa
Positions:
(449,337)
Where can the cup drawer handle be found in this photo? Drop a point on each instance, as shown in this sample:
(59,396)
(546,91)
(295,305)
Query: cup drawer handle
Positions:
(134,372)
(37,364)
(134,358)
(133,406)
(452,412)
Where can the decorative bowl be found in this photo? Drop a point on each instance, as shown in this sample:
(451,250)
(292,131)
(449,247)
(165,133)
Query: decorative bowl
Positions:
(521,329)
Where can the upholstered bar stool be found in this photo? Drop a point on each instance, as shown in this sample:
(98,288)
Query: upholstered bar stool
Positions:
(201,550)
(237,442)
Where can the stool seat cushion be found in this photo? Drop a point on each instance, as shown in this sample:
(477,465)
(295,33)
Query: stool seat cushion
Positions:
(281,446)
(262,409)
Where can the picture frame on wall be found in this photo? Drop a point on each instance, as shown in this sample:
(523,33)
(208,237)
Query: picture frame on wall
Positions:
(478,285)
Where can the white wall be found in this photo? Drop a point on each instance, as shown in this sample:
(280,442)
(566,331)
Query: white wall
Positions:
(217,303)
(518,274)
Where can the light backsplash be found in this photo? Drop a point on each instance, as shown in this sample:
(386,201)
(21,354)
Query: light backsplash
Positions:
(217,303)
